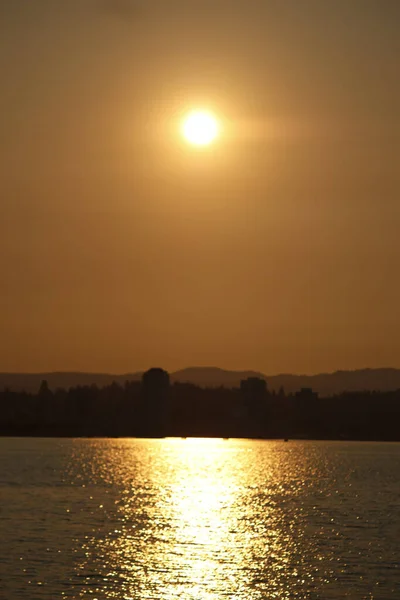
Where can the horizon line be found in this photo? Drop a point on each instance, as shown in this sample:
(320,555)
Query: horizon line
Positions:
(172,372)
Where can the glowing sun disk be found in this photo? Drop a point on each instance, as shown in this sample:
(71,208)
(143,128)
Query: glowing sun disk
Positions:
(200,128)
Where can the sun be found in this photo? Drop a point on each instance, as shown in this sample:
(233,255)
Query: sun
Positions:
(200,128)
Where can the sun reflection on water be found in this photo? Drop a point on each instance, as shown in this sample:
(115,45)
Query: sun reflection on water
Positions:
(163,519)
(194,519)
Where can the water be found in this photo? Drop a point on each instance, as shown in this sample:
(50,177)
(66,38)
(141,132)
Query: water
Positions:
(198,519)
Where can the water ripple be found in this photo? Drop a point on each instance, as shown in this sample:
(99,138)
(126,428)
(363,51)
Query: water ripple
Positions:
(190,519)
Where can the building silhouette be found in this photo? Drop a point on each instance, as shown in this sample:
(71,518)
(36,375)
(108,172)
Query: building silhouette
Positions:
(254,394)
(154,402)
(306,395)
(307,412)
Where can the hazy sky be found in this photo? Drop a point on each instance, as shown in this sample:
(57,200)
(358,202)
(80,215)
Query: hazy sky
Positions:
(121,247)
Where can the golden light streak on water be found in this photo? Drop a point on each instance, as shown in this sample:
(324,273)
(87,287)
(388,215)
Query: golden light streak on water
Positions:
(198,519)
(195,523)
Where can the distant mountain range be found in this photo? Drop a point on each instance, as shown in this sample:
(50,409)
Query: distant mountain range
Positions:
(325,383)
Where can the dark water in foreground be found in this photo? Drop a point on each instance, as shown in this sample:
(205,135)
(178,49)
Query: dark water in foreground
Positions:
(198,519)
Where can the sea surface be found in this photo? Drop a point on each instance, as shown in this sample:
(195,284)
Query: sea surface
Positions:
(198,519)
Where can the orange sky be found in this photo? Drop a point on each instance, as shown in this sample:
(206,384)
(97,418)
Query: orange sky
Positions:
(121,247)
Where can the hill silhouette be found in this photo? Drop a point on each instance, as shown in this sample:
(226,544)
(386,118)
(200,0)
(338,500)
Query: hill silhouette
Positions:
(326,384)
(30,382)
(213,376)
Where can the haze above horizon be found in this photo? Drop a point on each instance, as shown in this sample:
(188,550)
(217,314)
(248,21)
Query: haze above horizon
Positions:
(276,246)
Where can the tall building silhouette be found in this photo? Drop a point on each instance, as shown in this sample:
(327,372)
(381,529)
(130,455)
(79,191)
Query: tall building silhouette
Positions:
(155,392)
(254,402)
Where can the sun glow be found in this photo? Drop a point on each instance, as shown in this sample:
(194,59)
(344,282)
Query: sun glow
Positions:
(200,128)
